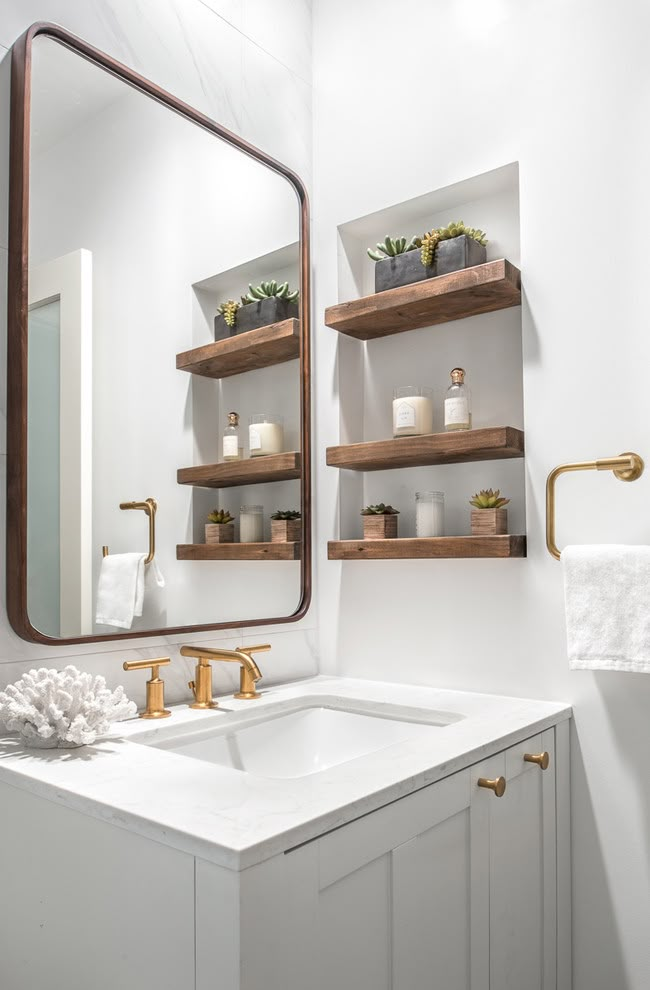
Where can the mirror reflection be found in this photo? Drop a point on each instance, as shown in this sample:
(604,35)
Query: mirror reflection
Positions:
(163,373)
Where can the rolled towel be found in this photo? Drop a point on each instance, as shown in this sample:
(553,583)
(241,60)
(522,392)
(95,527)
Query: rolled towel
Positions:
(607,596)
(120,590)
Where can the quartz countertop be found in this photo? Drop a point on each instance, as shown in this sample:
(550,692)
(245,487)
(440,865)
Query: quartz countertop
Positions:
(235,819)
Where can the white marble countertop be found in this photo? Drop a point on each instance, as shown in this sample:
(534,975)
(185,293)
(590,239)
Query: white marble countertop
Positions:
(237,820)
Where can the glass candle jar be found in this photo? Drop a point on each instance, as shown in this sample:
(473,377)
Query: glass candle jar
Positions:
(412,411)
(429,514)
(265,434)
(251,524)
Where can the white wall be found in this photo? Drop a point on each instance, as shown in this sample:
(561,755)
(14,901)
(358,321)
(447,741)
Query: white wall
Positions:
(248,67)
(414,96)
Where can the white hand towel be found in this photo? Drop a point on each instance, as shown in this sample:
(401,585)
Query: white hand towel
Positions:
(607,596)
(120,590)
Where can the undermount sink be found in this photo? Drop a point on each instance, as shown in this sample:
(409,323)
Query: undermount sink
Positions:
(297,743)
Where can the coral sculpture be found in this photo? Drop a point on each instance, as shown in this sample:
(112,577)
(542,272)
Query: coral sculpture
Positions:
(62,708)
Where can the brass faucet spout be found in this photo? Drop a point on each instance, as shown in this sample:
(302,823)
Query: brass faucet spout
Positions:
(249,672)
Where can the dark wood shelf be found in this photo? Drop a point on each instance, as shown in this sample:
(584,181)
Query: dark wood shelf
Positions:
(238,551)
(438,547)
(481,289)
(489,444)
(252,471)
(261,348)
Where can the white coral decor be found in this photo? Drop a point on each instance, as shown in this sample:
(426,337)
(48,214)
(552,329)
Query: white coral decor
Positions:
(51,708)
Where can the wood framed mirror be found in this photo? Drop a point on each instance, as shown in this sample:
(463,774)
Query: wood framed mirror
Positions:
(159,280)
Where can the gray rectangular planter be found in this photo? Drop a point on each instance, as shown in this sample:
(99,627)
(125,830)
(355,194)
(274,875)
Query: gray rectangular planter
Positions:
(457,253)
(403,269)
(256,314)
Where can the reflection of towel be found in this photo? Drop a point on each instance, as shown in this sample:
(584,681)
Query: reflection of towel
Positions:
(120,590)
(607,594)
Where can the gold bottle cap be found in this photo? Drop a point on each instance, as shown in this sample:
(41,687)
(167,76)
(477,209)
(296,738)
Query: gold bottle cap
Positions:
(458,376)
(233,419)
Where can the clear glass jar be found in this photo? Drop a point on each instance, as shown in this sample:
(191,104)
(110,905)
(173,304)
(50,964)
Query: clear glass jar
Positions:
(429,514)
(251,524)
(265,434)
(412,411)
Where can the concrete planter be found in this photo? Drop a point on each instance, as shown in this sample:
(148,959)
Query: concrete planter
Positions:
(458,253)
(403,269)
(256,314)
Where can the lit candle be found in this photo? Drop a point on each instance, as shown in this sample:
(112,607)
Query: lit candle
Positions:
(265,435)
(412,411)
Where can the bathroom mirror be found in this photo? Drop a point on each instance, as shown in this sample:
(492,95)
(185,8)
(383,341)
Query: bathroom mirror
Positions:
(133,218)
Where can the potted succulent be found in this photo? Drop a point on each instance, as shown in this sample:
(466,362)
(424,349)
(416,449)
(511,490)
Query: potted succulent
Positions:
(263,304)
(220,527)
(286,526)
(379,522)
(398,263)
(453,247)
(489,517)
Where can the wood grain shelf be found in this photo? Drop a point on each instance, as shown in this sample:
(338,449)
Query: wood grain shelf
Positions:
(437,547)
(238,551)
(489,444)
(481,289)
(252,471)
(261,348)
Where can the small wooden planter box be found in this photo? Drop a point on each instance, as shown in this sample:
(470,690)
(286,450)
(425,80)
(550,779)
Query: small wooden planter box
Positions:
(489,522)
(220,532)
(286,530)
(380,527)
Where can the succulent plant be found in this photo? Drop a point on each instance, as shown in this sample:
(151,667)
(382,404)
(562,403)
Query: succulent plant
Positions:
(429,241)
(487,499)
(379,510)
(391,247)
(220,516)
(267,290)
(229,311)
(286,514)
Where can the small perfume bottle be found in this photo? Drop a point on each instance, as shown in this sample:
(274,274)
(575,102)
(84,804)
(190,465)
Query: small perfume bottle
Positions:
(231,448)
(458,413)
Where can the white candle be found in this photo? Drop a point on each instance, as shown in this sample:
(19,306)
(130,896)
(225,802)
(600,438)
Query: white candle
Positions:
(429,514)
(251,524)
(412,411)
(265,436)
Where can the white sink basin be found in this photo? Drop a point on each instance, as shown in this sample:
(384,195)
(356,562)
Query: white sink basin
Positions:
(296,743)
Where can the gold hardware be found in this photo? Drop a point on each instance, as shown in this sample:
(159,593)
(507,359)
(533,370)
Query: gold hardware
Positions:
(498,785)
(248,675)
(626,467)
(150,507)
(155,704)
(541,759)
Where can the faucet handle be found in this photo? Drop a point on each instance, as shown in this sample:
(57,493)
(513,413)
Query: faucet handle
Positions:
(155,703)
(260,648)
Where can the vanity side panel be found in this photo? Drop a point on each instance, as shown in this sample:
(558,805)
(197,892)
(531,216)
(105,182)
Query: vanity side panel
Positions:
(218,926)
(563,834)
(87,904)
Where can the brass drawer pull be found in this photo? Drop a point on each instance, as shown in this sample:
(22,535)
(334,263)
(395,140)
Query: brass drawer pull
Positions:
(498,785)
(541,759)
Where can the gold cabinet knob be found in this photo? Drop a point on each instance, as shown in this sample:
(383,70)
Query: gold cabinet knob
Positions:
(498,785)
(541,759)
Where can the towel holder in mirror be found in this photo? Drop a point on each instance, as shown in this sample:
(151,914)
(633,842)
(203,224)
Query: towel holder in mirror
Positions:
(150,506)
(626,467)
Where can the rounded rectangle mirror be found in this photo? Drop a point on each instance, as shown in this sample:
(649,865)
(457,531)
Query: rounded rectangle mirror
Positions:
(158,355)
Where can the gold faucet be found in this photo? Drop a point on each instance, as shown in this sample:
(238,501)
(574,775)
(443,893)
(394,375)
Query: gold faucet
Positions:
(249,674)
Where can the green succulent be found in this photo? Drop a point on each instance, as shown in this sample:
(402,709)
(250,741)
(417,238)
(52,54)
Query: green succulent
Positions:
(487,499)
(429,241)
(379,510)
(391,247)
(268,290)
(229,311)
(220,516)
(286,514)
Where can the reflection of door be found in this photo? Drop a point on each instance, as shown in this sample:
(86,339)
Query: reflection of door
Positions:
(59,471)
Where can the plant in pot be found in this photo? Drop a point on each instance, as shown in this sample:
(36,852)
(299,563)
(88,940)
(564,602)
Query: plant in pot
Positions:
(220,527)
(379,522)
(451,248)
(398,263)
(286,526)
(489,517)
(263,304)
(226,319)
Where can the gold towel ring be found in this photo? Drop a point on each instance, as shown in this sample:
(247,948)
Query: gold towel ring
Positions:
(150,507)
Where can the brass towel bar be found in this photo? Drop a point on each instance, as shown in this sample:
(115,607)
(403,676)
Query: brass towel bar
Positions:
(626,467)
(150,506)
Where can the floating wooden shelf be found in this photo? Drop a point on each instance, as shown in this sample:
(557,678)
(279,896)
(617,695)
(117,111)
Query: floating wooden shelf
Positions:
(432,547)
(252,471)
(481,289)
(247,351)
(489,444)
(238,551)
